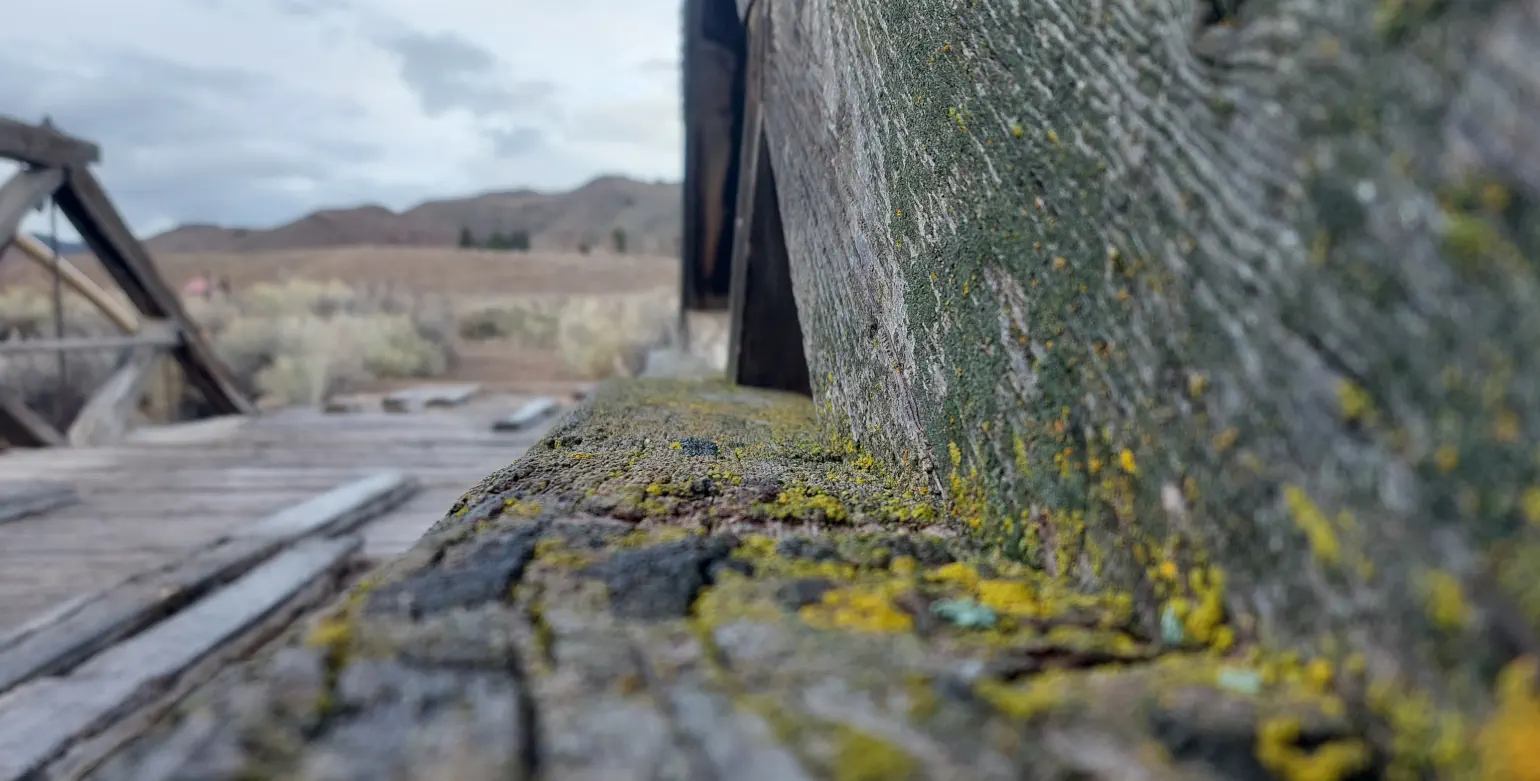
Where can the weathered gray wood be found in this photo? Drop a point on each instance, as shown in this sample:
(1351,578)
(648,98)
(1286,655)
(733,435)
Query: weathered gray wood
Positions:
(573,640)
(44,146)
(765,337)
(22,427)
(155,335)
(430,396)
(1258,288)
(41,720)
(144,599)
(105,417)
(103,619)
(22,193)
(83,201)
(26,501)
(713,60)
(337,511)
(526,416)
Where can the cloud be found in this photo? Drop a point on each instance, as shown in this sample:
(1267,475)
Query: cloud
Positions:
(254,112)
(448,72)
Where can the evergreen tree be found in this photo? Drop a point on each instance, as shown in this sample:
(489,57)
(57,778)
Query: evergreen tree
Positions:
(466,238)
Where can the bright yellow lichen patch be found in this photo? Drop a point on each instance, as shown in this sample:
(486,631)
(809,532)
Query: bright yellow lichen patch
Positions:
(1278,751)
(1509,742)
(862,608)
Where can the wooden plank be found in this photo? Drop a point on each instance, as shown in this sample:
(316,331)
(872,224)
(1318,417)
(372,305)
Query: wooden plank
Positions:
(104,418)
(124,609)
(148,597)
(25,501)
(157,334)
(22,193)
(22,427)
(429,396)
(38,145)
(88,209)
(86,756)
(526,416)
(121,315)
(337,511)
(39,721)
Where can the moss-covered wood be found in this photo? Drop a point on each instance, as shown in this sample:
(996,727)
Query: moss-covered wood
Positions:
(1252,284)
(687,582)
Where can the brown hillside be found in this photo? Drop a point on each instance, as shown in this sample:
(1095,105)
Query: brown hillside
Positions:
(649,213)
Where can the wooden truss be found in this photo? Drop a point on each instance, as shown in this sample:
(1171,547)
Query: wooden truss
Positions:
(57,166)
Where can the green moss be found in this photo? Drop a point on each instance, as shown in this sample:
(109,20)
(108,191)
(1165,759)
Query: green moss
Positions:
(861,756)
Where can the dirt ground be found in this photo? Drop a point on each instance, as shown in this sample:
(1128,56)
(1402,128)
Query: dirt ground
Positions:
(414,269)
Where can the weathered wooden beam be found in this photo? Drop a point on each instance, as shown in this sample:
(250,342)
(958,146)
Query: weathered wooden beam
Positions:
(527,415)
(121,315)
(67,637)
(22,193)
(104,420)
(44,146)
(1151,292)
(22,427)
(25,501)
(88,209)
(713,64)
(41,720)
(764,338)
(160,335)
(430,396)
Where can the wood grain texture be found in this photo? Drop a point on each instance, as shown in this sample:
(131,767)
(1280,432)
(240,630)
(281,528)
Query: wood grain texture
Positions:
(164,492)
(1130,283)
(39,721)
(556,626)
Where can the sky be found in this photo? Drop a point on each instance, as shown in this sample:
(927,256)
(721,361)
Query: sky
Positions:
(252,113)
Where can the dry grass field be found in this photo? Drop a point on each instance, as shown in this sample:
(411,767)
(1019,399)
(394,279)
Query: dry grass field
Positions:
(299,326)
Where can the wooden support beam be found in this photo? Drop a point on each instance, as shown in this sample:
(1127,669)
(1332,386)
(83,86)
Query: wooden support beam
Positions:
(22,427)
(45,146)
(85,204)
(155,334)
(23,193)
(765,348)
(104,418)
(121,315)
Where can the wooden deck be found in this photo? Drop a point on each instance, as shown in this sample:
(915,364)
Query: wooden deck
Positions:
(168,490)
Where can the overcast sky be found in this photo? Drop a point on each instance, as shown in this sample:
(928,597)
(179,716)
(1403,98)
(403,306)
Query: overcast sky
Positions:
(253,112)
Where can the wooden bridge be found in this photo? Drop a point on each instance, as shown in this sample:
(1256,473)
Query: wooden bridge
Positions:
(111,535)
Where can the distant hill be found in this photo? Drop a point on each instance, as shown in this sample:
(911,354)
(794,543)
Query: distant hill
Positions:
(649,213)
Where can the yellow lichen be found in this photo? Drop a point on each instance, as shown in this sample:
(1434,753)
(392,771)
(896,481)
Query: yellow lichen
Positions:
(1446,601)
(862,608)
(1310,520)
(1509,742)
(1335,760)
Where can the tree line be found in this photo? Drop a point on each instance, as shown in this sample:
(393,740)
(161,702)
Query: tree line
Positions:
(518,241)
